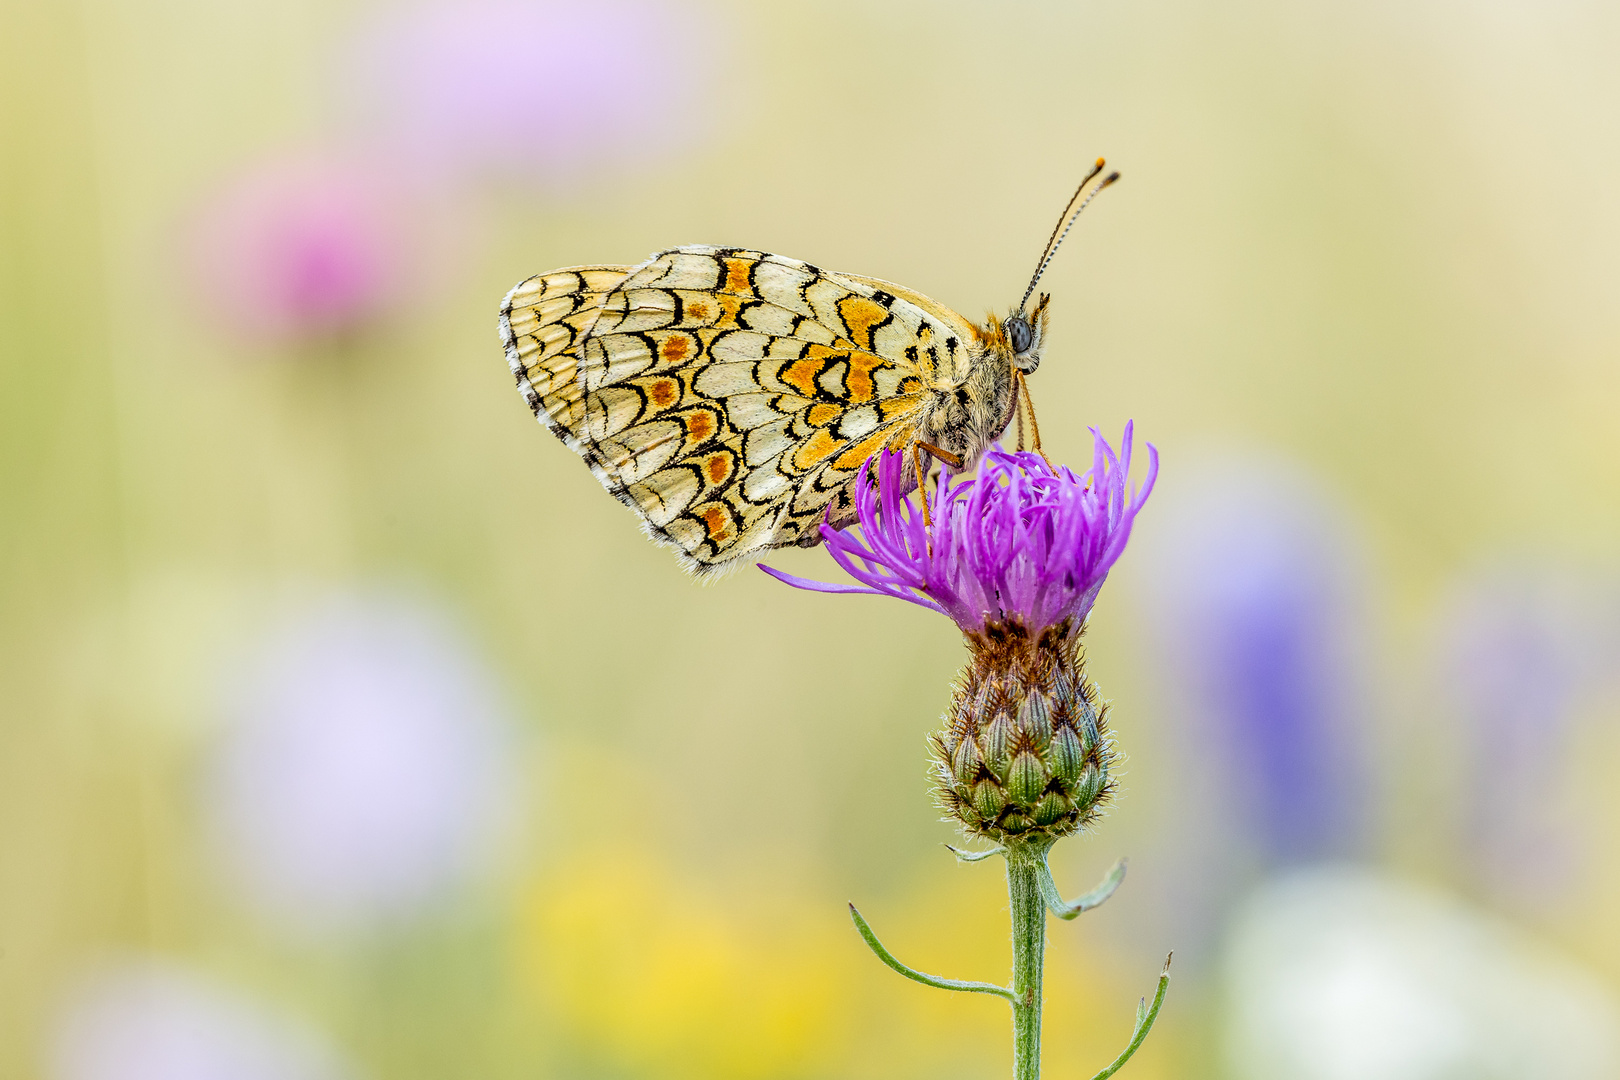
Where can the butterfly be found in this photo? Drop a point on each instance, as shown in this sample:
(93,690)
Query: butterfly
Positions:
(730,397)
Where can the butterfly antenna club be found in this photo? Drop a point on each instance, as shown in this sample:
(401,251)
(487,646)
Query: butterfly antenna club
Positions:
(1071,213)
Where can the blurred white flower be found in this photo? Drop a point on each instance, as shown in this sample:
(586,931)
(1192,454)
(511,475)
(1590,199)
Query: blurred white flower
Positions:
(146,1021)
(543,90)
(364,769)
(1338,973)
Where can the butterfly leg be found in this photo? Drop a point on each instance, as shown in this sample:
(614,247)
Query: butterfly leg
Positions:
(922,482)
(1035,428)
(953,460)
(1018,409)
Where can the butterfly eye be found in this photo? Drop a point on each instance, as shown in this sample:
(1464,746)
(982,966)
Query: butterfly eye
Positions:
(1018,333)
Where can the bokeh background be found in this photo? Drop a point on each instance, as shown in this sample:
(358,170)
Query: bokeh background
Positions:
(348,731)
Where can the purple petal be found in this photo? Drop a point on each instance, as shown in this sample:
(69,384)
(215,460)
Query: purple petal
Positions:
(1018,540)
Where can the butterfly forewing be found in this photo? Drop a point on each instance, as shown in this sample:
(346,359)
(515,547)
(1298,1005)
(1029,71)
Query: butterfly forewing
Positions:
(729,396)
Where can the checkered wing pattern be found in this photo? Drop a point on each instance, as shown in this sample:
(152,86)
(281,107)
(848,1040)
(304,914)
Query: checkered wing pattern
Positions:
(729,396)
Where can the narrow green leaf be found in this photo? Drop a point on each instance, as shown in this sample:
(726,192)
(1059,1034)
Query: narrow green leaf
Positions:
(1065,910)
(917,976)
(972,856)
(1144,1023)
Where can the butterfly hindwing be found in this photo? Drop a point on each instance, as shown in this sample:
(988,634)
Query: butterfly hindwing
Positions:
(542,321)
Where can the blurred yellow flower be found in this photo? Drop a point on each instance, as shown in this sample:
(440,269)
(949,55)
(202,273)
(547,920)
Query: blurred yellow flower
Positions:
(651,973)
(649,968)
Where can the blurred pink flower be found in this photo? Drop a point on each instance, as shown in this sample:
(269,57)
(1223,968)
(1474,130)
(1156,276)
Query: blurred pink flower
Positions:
(364,771)
(140,1020)
(534,89)
(302,248)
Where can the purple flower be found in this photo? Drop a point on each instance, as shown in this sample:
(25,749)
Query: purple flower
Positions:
(1019,542)
(301,248)
(1258,583)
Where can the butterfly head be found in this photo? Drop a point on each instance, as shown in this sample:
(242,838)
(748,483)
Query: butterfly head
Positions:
(1021,335)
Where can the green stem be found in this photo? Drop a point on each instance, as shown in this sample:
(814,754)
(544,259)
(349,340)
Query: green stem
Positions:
(1025,865)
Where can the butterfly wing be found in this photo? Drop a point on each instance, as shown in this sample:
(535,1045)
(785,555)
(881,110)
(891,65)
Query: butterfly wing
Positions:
(954,323)
(728,396)
(542,320)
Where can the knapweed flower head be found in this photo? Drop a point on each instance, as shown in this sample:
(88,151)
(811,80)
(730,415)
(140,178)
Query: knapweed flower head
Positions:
(1015,555)
(1021,542)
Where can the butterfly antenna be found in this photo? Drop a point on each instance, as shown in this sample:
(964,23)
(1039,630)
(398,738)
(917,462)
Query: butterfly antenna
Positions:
(1056,239)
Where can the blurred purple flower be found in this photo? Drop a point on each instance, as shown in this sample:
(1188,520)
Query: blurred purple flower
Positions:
(1522,648)
(146,1021)
(364,771)
(301,248)
(1258,587)
(533,89)
(1018,542)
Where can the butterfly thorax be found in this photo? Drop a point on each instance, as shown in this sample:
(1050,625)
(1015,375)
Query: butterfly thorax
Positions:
(970,410)
(977,405)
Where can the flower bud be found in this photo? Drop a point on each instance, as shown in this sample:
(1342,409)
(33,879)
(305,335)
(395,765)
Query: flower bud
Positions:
(1025,750)
(965,761)
(1068,754)
(998,744)
(1035,717)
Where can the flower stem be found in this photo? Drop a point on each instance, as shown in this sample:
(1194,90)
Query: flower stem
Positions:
(1025,864)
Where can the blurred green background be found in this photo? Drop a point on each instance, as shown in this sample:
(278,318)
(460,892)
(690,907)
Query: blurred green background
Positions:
(347,729)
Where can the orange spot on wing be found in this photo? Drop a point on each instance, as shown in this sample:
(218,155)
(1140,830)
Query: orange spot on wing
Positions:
(801,375)
(697,310)
(737,276)
(895,405)
(902,437)
(819,447)
(729,307)
(717,522)
(675,348)
(664,392)
(717,468)
(823,414)
(859,379)
(860,315)
(700,425)
(852,458)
